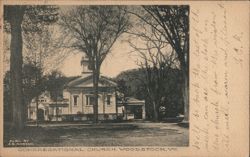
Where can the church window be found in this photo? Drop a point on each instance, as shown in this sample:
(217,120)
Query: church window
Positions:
(108,99)
(90,100)
(75,99)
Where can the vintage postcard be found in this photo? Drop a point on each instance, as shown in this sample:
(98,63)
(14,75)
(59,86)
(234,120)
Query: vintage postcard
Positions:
(124,78)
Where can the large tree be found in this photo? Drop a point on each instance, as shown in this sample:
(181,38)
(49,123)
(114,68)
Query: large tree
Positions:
(157,59)
(14,15)
(55,83)
(93,30)
(172,22)
(134,83)
(20,19)
(33,84)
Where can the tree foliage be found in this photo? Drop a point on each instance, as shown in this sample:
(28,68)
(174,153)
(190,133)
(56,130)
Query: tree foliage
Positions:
(34,17)
(167,25)
(173,23)
(55,84)
(15,22)
(93,30)
(32,87)
(133,82)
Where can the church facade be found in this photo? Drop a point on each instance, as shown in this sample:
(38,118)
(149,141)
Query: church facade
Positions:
(78,101)
(80,96)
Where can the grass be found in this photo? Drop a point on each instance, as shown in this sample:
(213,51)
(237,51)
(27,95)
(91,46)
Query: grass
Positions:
(104,134)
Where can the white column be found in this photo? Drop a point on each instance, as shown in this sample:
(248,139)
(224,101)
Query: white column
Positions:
(143,112)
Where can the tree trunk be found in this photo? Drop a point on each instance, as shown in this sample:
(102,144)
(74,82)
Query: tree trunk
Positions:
(155,111)
(16,63)
(116,108)
(95,84)
(186,100)
(126,113)
(186,81)
(184,63)
(185,87)
(185,94)
(37,123)
(27,102)
(56,106)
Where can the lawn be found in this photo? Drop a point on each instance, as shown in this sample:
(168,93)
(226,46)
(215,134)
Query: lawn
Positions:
(104,134)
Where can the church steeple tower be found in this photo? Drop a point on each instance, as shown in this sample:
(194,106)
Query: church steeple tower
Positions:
(85,66)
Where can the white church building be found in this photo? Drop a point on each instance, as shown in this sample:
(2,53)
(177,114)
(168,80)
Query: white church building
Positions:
(78,101)
(80,91)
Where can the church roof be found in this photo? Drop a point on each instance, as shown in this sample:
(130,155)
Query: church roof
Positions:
(134,100)
(87,81)
(131,101)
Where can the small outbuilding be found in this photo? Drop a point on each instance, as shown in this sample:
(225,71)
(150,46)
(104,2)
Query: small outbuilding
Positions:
(131,108)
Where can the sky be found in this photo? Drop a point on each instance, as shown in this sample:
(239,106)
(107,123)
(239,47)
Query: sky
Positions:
(120,59)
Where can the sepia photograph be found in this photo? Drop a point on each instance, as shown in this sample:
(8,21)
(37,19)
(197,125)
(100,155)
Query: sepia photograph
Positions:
(96,75)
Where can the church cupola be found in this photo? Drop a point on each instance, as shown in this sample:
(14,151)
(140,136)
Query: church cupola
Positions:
(85,65)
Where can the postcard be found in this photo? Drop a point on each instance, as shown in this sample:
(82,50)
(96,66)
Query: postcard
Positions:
(125,78)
